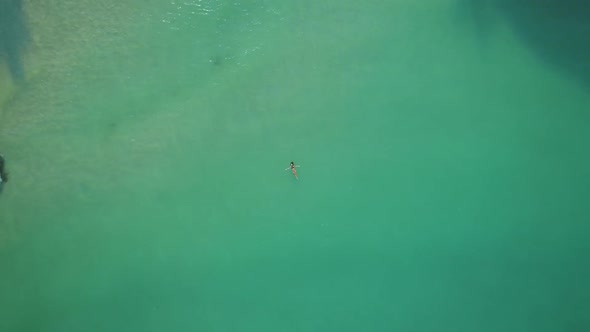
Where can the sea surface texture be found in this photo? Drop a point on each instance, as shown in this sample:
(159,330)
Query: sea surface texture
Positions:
(444,151)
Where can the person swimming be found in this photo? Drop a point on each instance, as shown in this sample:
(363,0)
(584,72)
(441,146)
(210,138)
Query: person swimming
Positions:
(3,174)
(292,168)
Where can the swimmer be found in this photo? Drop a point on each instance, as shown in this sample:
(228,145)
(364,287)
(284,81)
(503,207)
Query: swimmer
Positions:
(292,168)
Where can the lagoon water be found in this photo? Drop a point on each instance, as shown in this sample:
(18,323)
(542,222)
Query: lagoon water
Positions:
(444,180)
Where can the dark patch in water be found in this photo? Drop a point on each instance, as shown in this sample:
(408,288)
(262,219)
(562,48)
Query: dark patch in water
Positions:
(3,173)
(558,32)
(14,37)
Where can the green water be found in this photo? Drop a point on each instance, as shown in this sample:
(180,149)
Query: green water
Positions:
(444,179)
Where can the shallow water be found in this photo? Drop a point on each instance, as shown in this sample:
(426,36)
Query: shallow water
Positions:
(443,181)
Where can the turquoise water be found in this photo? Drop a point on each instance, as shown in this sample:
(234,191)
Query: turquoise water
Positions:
(443,183)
